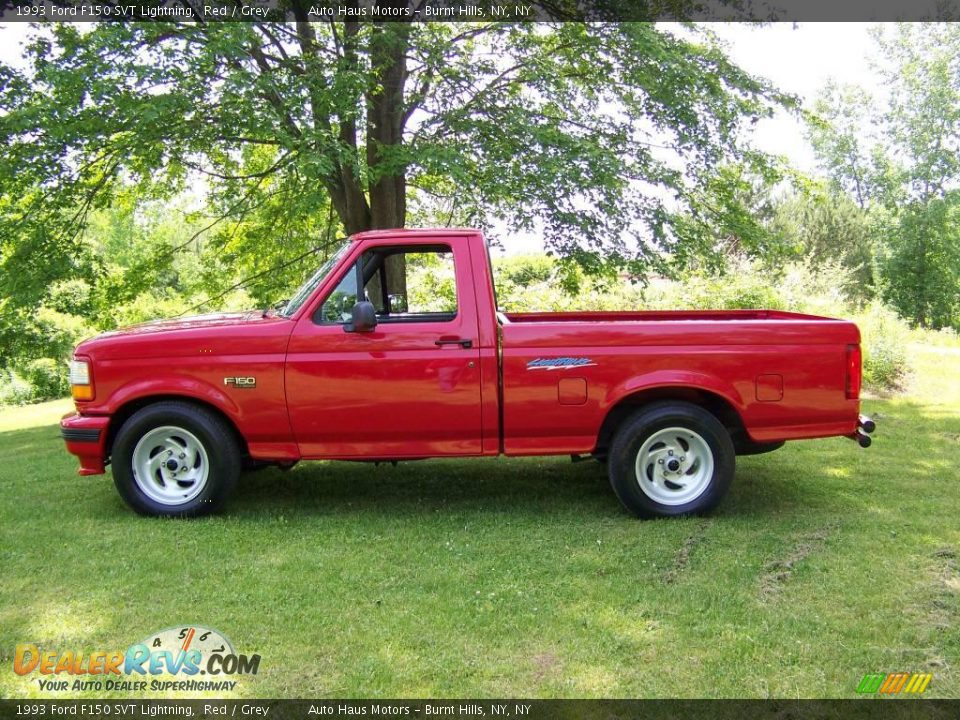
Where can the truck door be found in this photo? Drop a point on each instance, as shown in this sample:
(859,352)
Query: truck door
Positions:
(411,386)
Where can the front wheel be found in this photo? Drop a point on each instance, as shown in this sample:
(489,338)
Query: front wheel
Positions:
(175,459)
(671,458)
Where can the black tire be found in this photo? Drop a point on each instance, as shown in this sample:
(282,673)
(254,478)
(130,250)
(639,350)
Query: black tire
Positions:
(213,434)
(711,443)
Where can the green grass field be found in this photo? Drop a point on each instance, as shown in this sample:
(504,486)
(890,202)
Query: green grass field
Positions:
(515,578)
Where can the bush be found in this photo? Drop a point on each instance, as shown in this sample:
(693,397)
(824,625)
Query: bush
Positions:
(524,270)
(14,390)
(54,334)
(742,289)
(48,379)
(884,339)
(166,305)
(71,297)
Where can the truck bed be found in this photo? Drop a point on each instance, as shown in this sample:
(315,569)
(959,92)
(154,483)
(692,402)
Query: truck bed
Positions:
(656,316)
(782,373)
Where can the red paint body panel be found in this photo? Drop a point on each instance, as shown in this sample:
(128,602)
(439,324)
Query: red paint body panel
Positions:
(91,452)
(322,392)
(391,392)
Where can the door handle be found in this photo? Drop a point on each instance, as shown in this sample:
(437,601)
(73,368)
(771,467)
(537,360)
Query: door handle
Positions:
(465,344)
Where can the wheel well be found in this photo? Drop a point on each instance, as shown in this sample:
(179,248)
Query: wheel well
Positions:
(715,404)
(124,412)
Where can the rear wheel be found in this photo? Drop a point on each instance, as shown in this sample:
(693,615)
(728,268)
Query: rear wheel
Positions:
(175,459)
(671,458)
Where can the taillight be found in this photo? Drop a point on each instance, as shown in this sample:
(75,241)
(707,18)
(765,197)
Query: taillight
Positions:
(854,372)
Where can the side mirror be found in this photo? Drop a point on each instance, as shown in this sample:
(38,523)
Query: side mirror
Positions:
(363,318)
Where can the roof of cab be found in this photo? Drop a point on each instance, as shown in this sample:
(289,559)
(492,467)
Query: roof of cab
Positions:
(413,232)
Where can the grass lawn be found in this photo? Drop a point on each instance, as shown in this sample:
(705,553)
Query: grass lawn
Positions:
(515,578)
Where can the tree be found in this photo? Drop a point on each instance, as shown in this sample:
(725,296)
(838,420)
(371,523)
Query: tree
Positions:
(601,135)
(923,170)
(838,132)
(827,227)
(907,177)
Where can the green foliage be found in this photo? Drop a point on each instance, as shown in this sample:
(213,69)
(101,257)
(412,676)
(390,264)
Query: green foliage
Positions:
(900,165)
(47,378)
(34,366)
(14,390)
(923,263)
(431,286)
(829,230)
(884,338)
(300,131)
(741,288)
(71,297)
(523,270)
(840,139)
(54,334)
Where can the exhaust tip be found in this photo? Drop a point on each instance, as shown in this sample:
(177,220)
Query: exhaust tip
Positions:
(866,424)
(864,440)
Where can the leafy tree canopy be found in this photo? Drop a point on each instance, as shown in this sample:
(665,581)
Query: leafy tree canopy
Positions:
(906,172)
(605,138)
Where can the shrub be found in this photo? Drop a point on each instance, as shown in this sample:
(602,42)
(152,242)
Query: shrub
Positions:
(524,270)
(884,339)
(72,297)
(48,378)
(55,334)
(14,390)
(162,306)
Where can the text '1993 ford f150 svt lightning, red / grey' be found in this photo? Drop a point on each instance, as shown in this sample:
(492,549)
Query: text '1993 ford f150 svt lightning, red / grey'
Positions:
(362,365)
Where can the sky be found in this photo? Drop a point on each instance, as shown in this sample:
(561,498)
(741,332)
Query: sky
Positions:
(798,58)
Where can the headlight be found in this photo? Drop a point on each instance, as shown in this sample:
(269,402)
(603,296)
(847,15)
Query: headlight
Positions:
(81,386)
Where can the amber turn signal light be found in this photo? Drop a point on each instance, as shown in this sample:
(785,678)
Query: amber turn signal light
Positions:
(82,392)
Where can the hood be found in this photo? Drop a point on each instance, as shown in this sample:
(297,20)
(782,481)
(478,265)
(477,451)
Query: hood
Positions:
(214,333)
(210,320)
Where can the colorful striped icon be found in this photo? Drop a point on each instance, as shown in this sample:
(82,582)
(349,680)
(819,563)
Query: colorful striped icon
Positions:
(893,683)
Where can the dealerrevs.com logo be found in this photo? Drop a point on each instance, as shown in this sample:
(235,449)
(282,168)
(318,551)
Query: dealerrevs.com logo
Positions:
(188,658)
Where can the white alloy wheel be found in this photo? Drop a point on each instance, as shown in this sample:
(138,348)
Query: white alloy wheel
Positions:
(170,465)
(674,466)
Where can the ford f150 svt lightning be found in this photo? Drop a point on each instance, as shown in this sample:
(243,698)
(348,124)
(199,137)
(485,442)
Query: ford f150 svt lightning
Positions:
(361,365)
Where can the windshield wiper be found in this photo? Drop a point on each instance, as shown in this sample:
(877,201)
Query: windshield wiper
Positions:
(276,307)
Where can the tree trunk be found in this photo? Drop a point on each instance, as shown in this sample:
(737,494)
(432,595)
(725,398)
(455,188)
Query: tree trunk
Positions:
(385,117)
(386,173)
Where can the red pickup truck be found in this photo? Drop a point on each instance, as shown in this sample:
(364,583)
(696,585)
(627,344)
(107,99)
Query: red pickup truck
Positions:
(365,363)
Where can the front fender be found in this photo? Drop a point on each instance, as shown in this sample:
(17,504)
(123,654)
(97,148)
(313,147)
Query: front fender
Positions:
(170,386)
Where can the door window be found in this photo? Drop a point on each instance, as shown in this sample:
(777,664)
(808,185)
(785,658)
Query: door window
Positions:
(405,284)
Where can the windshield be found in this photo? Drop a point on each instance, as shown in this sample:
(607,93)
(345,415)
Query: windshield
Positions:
(306,290)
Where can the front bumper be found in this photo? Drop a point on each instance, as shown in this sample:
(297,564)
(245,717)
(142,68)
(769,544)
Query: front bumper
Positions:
(86,437)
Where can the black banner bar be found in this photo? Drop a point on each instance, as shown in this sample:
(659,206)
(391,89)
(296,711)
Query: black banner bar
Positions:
(207,11)
(887,708)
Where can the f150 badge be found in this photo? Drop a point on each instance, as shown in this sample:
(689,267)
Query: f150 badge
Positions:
(560,363)
(245,383)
